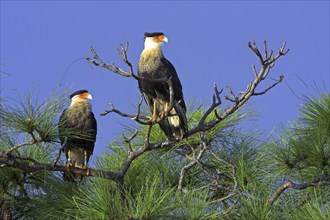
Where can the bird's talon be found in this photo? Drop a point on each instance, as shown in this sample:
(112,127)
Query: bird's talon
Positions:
(163,114)
(152,119)
(87,169)
(68,165)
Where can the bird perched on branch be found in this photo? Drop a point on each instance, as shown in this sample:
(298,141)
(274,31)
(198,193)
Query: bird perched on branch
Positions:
(153,64)
(77,131)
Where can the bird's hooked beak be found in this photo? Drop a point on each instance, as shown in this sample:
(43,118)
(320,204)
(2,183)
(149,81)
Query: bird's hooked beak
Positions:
(89,96)
(161,39)
(165,40)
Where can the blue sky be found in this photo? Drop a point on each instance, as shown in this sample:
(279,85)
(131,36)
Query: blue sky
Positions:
(43,43)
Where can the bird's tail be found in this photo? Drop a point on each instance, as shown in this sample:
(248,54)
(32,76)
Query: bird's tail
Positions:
(77,159)
(178,122)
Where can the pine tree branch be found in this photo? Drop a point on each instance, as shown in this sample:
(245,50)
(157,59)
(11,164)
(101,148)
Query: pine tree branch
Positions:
(194,160)
(233,191)
(22,145)
(9,160)
(61,150)
(300,186)
(267,62)
(128,140)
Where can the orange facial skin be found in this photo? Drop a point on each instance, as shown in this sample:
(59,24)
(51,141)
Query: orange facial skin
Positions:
(84,95)
(159,38)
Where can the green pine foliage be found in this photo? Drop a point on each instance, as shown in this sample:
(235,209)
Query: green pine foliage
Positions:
(235,178)
(302,151)
(34,124)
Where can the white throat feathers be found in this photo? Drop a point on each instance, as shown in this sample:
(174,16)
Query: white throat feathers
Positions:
(150,43)
(77,99)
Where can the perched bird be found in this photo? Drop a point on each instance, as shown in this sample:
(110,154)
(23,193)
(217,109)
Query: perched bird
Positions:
(153,64)
(77,131)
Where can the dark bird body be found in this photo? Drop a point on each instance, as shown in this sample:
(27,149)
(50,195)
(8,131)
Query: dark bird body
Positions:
(77,130)
(153,64)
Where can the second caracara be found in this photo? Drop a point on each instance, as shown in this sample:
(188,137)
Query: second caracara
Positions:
(153,64)
(77,130)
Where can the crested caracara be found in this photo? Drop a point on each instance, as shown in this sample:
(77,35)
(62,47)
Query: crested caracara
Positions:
(77,131)
(153,64)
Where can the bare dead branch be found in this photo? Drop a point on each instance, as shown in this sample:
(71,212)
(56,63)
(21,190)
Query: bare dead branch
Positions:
(123,53)
(194,161)
(265,49)
(132,137)
(133,117)
(139,107)
(147,137)
(233,98)
(134,154)
(246,95)
(254,71)
(217,94)
(270,87)
(255,49)
(280,53)
(128,140)
(97,61)
(216,101)
(233,191)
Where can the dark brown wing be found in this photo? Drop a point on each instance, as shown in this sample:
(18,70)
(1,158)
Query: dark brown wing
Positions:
(155,90)
(63,127)
(170,72)
(79,131)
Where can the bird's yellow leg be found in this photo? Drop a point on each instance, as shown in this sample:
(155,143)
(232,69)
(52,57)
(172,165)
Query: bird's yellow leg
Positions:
(85,164)
(163,113)
(69,162)
(85,159)
(167,105)
(154,114)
